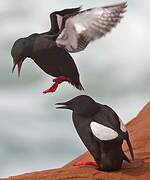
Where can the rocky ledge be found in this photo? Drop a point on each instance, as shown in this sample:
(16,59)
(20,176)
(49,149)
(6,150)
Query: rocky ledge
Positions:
(139,130)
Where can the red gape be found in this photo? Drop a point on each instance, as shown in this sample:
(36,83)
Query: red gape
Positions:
(56,81)
(85,163)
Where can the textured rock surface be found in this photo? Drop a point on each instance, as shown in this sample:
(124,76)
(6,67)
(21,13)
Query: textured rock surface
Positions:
(139,130)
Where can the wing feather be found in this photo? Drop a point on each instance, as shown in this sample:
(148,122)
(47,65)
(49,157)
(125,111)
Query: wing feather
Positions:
(102,132)
(91,24)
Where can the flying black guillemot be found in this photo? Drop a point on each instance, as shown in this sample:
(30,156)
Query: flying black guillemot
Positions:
(101,131)
(79,29)
(53,60)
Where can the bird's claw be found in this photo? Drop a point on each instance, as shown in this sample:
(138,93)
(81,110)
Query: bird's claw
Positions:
(51,89)
(56,81)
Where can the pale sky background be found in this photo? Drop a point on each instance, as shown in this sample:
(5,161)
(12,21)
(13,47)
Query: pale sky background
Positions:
(114,70)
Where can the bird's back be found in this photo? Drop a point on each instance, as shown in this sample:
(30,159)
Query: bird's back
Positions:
(108,117)
(55,61)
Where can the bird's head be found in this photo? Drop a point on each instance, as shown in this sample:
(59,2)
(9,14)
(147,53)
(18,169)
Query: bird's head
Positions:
(19,53)
(83,105)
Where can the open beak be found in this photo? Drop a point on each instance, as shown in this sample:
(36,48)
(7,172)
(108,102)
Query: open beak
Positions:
(19,65)
(63,106)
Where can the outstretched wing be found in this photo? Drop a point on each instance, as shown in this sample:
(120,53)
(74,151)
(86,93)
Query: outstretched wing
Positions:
(89,25)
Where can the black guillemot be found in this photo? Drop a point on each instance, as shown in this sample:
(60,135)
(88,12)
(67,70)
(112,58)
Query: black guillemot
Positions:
(101,131)
(53,60)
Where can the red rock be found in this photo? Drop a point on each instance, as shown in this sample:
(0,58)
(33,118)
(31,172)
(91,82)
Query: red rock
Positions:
(139,130)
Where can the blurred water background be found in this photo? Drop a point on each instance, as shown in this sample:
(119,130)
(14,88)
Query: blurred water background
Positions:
(114,70)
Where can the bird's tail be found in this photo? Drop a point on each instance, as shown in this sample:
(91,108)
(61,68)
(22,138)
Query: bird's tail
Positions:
(124,156)
(130,147)
(78,85)
(126,137)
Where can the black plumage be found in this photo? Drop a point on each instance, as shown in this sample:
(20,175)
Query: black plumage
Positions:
(101,131)
(53,60)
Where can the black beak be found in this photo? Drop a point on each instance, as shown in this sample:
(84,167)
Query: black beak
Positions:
(13,68)
(19,65)
(63,106)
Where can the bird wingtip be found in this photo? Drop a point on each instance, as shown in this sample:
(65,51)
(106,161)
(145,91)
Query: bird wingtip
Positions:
(122,5)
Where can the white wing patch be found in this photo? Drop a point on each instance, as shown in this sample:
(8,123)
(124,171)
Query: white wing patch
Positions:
(122,126)
(102,132)
(89,23)
(80,28)
(68,38)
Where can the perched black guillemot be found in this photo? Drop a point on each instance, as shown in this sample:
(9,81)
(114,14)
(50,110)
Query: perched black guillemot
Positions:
(79,29)
(53,60)
(101,131)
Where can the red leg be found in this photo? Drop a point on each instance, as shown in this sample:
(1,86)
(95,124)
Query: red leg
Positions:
(51,89)
(56,81)
(85,163)
(61,79)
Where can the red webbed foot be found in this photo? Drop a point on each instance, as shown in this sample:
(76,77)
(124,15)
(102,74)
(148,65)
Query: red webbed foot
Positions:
(89,163)
(51,89)
(56,81)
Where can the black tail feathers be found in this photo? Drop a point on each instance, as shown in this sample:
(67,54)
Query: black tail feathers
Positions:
(78,85)
(124,157)
(130,147)
(126,137)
